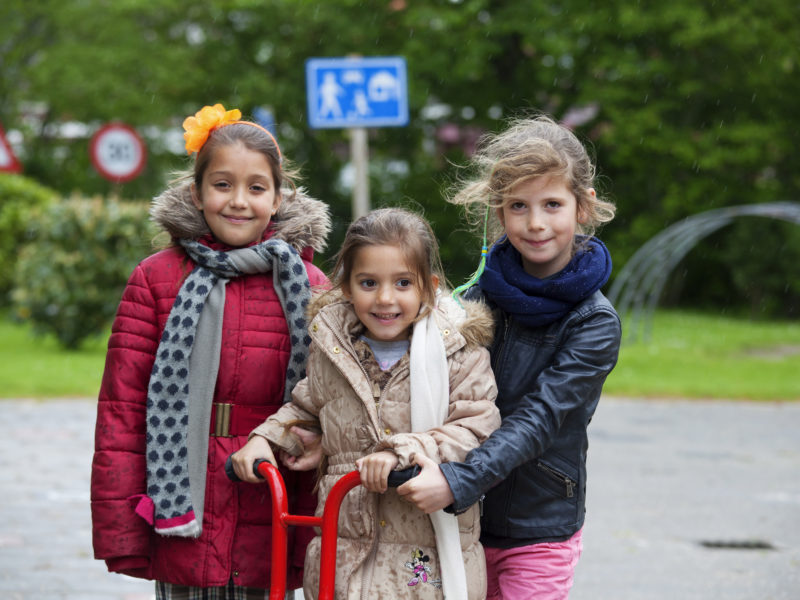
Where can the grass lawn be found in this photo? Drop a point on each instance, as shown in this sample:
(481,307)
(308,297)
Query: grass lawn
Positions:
(688,355)
(701,356)
(33,367)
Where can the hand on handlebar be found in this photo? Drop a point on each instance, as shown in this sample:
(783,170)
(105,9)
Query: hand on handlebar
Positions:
(243,460)
(375,468)
(430,491)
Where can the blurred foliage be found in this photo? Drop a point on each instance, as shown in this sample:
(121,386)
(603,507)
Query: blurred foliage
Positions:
(70,275)
(18,196)
(686,105)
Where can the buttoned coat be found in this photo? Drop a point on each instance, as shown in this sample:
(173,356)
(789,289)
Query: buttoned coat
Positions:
(386,547)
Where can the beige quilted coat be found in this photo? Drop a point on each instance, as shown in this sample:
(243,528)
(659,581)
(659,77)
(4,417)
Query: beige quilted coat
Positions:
(386,546)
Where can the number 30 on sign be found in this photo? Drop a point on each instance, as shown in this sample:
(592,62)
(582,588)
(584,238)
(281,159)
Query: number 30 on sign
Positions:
(117,152)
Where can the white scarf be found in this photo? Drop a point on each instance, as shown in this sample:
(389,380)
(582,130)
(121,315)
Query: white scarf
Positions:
(430,399)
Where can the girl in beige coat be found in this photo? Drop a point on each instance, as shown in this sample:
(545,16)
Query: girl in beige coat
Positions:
(393,371)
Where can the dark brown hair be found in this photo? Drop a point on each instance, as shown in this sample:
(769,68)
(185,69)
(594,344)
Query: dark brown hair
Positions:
(393,227)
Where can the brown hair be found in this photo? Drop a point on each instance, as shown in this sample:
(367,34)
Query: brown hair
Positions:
(393,227)
(252,138)
(530,147)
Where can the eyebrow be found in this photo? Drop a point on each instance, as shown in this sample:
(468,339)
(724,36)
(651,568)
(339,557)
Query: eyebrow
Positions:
(403,275)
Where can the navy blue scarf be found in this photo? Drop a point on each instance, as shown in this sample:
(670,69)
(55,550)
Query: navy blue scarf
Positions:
(537,302)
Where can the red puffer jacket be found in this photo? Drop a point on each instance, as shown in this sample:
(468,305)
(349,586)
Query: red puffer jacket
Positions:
(235,541)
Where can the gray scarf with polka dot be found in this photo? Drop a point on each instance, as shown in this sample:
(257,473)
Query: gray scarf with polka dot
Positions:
(184,374)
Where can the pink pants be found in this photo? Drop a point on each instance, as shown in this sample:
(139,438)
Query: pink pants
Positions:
(541,571)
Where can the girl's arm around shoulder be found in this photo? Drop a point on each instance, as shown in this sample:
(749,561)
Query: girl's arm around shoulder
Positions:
(572,381)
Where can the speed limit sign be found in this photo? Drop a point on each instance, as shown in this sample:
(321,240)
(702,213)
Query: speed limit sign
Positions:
(117,152)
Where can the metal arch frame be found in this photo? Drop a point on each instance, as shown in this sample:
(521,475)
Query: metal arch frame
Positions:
(637,289)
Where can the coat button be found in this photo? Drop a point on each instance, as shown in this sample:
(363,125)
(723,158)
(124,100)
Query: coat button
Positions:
(236,573)
(387,431)
(446,332)
(383,523)
(314,327)
(336,350)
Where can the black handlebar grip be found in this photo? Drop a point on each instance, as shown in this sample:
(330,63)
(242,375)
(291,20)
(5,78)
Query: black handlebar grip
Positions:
(395,479)
(232,474)
(398,478)
(229,469)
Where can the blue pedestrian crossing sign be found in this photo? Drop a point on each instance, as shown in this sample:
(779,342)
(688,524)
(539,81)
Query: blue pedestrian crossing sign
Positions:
(357,92)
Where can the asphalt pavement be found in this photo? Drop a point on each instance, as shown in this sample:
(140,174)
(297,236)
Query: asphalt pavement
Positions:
(687,500)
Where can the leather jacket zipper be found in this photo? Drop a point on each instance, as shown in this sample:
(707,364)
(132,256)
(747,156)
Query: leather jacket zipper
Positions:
(499,354)
(568,483)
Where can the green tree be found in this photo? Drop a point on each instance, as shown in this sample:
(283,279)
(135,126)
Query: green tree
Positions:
(688,106)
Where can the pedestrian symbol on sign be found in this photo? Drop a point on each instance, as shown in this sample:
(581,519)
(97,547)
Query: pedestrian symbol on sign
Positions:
(357,92)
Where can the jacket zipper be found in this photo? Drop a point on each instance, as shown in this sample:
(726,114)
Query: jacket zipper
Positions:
(560,477)
(506,327)
(368,564)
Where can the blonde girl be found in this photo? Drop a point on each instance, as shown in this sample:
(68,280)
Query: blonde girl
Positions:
(556,340)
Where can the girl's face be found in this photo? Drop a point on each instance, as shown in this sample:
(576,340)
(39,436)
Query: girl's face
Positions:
(540,217)
(237,196)
(385,292)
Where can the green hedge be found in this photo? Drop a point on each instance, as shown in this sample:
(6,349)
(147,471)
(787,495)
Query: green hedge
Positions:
(70,275)
(18,196)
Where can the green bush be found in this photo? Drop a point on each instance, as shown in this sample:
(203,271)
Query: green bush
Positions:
(70,276)
(18,195)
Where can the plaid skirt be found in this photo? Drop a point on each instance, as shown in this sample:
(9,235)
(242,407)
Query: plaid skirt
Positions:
(169,591)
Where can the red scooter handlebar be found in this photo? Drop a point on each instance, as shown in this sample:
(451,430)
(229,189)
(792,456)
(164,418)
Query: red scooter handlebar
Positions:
(328,523)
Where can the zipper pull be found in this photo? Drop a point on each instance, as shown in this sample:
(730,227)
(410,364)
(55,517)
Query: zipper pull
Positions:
(480,504)
(376,391)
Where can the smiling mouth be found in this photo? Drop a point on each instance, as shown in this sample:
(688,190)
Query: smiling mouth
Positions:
(237,219)
(385,316)
(536,243)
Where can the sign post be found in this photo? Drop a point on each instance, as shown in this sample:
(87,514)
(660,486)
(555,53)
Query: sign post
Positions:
(353,94)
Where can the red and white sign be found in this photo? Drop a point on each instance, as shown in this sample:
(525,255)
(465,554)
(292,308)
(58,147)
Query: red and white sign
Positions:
(117,152)
(8,162)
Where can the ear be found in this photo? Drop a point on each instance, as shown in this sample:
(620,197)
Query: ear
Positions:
(196,197)
(583,215)
(435,281)
(277,204)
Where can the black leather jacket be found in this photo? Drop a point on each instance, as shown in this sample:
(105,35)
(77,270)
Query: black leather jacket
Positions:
(533,469)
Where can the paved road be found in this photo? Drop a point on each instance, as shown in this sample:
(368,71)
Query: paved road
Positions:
(687,500)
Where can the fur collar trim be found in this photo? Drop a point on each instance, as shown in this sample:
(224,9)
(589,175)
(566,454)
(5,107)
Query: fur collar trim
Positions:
(477,327)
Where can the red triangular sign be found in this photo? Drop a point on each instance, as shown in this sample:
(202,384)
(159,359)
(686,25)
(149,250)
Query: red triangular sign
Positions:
(8,162)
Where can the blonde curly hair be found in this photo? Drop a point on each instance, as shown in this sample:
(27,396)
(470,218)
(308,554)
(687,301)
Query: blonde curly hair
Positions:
(529,148)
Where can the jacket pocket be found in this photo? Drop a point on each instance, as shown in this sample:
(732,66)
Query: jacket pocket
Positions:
(556,481)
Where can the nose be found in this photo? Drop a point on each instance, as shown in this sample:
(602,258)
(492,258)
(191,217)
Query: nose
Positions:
(535,220)
(385,294)
(238,198)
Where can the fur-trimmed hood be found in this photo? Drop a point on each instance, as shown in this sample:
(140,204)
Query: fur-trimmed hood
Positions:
(301,221)
(473,319)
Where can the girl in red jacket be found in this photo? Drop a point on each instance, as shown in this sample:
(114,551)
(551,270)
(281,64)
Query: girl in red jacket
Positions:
(208,341)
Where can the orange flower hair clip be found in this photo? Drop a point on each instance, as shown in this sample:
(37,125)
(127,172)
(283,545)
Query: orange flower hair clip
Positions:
(207,119)
(204,121)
